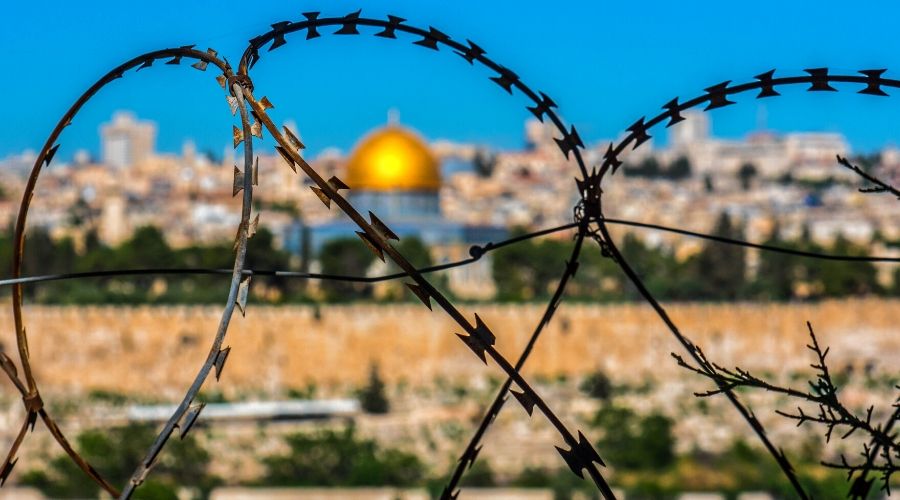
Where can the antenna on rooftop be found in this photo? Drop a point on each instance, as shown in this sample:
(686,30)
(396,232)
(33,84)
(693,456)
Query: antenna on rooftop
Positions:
(762,116)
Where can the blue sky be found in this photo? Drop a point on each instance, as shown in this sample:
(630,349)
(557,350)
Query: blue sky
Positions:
(605,63)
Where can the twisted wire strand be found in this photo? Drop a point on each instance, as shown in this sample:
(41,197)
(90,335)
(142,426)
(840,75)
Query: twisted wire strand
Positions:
(580,455)
(33,403)
(479,250)
(185,415)
(715,97)
(818,79)
(430,38)
(470,452)
(478,333)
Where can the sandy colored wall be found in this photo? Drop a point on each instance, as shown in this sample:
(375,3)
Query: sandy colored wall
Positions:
(157,350)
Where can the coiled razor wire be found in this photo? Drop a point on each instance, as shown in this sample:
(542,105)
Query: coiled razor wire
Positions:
(590,223)
(476,252)
(34,405)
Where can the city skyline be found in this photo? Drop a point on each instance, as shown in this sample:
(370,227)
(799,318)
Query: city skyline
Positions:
(98,153)
(574,69)
(372,285)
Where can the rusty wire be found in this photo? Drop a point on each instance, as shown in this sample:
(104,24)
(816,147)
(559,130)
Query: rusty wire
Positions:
(717,96)
(475,252)
(579,455)
(34,405)
(832,412)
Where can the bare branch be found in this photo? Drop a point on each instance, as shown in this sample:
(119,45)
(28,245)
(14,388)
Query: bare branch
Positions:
(880,186)
(882,455)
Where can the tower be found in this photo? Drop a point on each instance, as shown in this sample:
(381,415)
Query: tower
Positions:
(693,130)
(127,141)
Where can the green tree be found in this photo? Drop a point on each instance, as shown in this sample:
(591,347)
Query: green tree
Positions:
(484,163)
(777,271)
(648,167)
(340,458)
(147,247)
(418,254)
(658,269)
(415,251)
(262,254)
(372,397)
(754,470)
(80,213)
(510,271)
(479,475)
(115,453)
(679,169)
(200,288)
(718,271)
(843,278)
(561,481)
(597,385)
(746,174)
(43,255)
(6,250)
(345,256)
(708,186)
(40,252)
(526,271)
(657,440)
(631,442)
(597,278)
(92,241)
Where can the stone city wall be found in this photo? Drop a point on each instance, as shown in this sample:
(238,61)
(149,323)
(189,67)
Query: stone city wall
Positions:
(156,351)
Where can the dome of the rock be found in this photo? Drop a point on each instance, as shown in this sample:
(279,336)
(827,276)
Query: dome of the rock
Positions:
(393,158)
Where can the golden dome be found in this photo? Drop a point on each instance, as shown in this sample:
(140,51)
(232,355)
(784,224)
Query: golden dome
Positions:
(393,158)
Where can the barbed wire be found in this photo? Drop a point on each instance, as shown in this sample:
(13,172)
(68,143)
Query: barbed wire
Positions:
(186,414)
(589,186)
(717,96)
(34,405)
(590,222)
(476,252)
(882,454)
(878,448)
(470,453)
(832,413)
(580,455)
